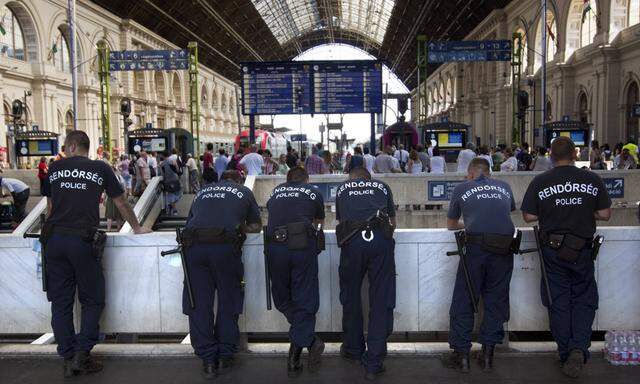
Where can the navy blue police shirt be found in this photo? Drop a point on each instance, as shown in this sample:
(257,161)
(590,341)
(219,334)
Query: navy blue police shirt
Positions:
(360,199)
(74,185)
(565,198)
(485,204)
(223,205)
(294,203)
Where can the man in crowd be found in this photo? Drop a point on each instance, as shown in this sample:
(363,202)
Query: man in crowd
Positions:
(314,163)
(252,163)
(221,162)
(384,162)
(465,156)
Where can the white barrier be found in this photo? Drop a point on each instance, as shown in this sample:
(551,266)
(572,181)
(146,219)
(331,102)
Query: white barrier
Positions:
(144,290)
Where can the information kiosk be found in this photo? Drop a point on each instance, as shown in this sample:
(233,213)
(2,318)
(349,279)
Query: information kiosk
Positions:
(450,138)
(36,143)
(577,131)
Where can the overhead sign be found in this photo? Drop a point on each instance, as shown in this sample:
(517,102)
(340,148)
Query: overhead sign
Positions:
(298,137)
(307,87)
(347,87)
(482,50)
(615,187)
(149,60)
(441,190)
(276,88)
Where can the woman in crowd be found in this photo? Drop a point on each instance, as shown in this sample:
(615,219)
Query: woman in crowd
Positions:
(270,165)
(438,164)
(123,167)
(328,163)
(624,160)
(414,165)
(510,164)
(171,173)
(283,168)
(43,170)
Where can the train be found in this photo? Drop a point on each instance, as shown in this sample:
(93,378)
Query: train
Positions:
(275,142)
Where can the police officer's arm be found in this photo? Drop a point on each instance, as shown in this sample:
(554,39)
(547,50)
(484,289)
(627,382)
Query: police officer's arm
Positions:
(603,203)
(455,211)
(529,205)
(391,208)
(319,214)
(114,190)
(253,222)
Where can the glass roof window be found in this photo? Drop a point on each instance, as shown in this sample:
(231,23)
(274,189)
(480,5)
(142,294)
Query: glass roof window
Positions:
(289,19)
(367,17)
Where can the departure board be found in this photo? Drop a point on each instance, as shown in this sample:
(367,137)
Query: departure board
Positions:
(307,87)
(276,88)
(347,87)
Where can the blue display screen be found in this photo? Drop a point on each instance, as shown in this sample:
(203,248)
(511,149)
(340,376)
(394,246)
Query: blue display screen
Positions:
(456,138)
(578,137)
(305,87)
(276,88)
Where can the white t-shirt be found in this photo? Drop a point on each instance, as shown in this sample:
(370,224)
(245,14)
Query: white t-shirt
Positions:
(368,162)
(402,156)
(13,185)
(438,165)
(191,164)
(509,165)
(464,158)
(152,162)
(253,162)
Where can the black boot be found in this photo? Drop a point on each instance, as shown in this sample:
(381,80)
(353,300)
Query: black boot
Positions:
(315,354)
(225,363)
(485,359)
(458,361)
(84,363)
(68,368)
(373,375)
(349,357)
(573,366)
(294,366)
(209,371)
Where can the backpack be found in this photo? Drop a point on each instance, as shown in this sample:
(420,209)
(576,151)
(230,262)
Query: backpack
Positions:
(171,180)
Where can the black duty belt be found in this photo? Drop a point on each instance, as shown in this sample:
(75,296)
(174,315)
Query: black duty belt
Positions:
(208,236)
(556,240)
(62,230)
(493,242)
(281,234)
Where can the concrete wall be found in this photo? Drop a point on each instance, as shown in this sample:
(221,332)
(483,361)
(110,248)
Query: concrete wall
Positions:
(144,290)
(412,189)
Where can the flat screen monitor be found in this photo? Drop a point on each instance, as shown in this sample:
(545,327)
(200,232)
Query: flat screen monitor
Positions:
(580,137)
(147,144)
(447,140)
(43,147)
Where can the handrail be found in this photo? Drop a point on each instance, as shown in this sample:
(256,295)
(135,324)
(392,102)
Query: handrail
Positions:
(32,219)
(145,203)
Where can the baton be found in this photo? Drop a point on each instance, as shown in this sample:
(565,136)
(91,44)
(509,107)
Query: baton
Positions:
(462,252)
(543,268)
(43,260)
(187,280)
(267,271)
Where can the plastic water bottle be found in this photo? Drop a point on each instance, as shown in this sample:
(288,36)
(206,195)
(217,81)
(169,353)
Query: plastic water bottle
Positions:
(608,340)
(614,354)
(624,349)
(632,341)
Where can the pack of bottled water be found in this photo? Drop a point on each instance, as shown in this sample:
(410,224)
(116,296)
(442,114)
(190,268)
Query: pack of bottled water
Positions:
(622,347)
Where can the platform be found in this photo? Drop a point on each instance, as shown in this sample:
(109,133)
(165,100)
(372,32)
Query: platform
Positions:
(255,368)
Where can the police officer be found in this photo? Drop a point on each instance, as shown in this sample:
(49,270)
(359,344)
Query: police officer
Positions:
(220,216)
(70,238)
(366,212)
(485,205)
(566,201)
(294,239)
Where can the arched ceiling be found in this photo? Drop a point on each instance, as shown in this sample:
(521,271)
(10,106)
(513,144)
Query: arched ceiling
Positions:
(231,31)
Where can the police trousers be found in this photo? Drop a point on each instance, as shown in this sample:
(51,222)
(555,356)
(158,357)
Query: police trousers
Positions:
(70,264)
(375,259)
(214,269)
(490,277)
(575,300)
(294,286)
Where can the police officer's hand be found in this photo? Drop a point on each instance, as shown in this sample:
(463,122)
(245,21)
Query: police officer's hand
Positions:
(141,230)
